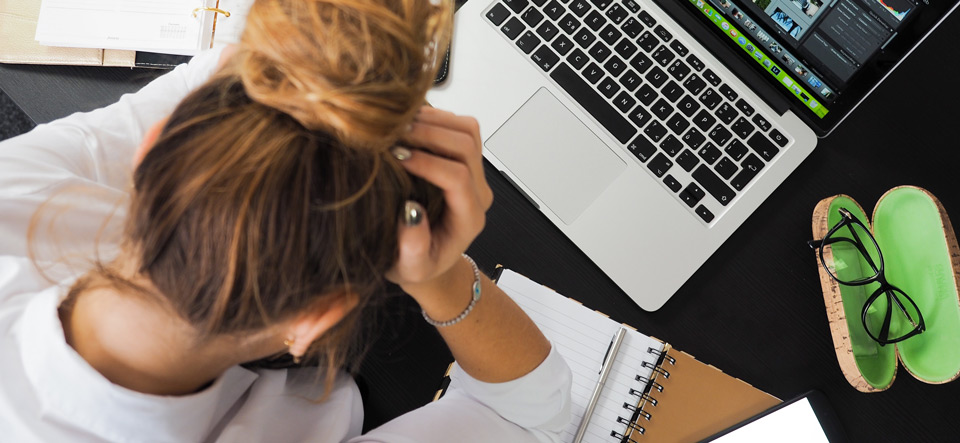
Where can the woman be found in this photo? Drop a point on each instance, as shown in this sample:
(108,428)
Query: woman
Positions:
(269,200)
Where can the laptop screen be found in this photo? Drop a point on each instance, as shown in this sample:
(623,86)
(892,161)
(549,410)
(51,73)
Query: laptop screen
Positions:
(824,55)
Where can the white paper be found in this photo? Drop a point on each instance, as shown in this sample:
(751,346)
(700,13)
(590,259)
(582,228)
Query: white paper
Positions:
(794,423)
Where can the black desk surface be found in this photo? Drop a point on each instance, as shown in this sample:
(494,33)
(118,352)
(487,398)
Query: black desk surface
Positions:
(754,309)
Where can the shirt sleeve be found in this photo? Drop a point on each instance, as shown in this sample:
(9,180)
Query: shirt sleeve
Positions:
(91,151)
(532,408)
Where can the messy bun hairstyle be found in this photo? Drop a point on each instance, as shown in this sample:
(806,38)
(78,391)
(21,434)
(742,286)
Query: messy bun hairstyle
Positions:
(357,69)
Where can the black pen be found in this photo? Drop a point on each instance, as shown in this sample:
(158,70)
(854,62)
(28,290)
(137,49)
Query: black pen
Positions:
(604,373)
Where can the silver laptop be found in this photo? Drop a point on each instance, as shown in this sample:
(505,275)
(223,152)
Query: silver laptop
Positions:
(648,131)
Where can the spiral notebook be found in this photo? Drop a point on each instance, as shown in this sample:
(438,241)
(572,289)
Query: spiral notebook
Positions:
(653,392)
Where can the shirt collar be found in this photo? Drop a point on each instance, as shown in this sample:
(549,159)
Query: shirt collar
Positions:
(70,390)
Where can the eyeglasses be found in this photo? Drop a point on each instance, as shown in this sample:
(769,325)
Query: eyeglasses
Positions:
(889,315)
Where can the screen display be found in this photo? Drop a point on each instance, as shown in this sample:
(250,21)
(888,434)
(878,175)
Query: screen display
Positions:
(795,422)
(813,48)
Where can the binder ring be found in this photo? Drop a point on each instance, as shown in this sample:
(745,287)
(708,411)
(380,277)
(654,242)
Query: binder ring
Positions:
(631,425)
(666,357)
(652,383)
(656,368)
(623,437)
(207,8)
(644,396)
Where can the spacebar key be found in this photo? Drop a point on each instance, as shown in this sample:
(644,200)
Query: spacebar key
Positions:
(593,102)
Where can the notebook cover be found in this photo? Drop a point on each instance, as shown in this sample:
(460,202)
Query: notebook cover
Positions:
(697,401)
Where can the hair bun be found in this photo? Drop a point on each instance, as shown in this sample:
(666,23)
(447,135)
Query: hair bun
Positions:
(357,69)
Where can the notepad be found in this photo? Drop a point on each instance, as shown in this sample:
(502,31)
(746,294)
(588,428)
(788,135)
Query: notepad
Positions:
(653,393)
(182,27)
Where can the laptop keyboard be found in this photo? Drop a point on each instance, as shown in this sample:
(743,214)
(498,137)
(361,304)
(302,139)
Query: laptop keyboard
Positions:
(677,117)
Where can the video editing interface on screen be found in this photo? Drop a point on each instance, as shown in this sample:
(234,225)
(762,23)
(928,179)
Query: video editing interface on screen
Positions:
(812,47)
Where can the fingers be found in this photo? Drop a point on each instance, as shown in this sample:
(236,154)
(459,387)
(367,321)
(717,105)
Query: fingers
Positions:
(462,197)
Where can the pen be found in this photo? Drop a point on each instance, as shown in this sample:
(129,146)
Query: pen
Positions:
(604,373)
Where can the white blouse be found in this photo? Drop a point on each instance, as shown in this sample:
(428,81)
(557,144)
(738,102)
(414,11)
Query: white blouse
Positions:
(79,170)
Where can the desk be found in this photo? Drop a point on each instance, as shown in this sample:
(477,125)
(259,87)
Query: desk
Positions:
(754,309)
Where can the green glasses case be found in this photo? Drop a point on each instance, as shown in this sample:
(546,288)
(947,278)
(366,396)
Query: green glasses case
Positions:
(921,257)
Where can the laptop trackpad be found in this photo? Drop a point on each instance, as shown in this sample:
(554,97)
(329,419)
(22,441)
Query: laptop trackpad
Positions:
(555,155)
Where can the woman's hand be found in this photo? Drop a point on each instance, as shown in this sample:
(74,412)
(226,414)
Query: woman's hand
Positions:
(451,159)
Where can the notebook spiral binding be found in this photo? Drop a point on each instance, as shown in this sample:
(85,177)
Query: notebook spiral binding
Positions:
(643,397)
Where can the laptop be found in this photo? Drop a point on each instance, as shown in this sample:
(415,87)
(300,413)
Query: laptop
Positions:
(649,130)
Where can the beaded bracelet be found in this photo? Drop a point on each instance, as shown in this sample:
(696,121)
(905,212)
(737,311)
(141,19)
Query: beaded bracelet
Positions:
(473,301)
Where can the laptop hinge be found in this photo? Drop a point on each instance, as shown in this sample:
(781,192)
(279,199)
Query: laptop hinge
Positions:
(732,60)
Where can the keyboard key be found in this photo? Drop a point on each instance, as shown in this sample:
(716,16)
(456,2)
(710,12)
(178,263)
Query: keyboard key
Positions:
(580,7)
(761,122)
(720,135)
(584,38)
(630,80)
(617,13)
(599,52)
(608,87)
(548,31)
(688,106)
(641,63)
(601,4)
(695,62)
(656,77)
(714,185)
(584,94)
(647,41)
(687,160)
(642,149)
(528,42)
(647,19)
(593,73)
(663,55)
(610,34)
(751,167)
(639,116)
(726,168)
(660,165)
(516,5)
(693,139)
(632,27)
(695,84)
(704,120)
(678,48)
(577,59)
(711,77)
(678,123)
(615,66)
(704,213)
(545,58)
(539,2)
(662,109)
(531,16)
(762,146)
(655,131)
(562,45)
(625,49)
(672,91)
(513,28)
(497,14)
(632,5)
(595,20)
(672,183)
(742,127)
(569,24)
(624,102)
(678,69)
(744,107)
(554,10)
(726,113)
(710,98)
(671,146)
(646,95)
(778,138)
(692,195)
(662,32)
(736,149)
(728,92)
(709,153)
